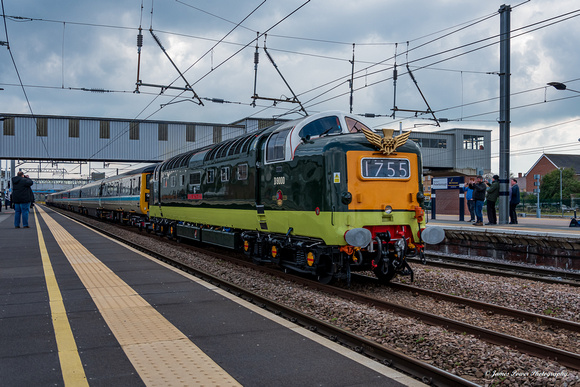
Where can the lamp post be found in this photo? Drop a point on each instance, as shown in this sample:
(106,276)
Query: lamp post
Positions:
(561,86)
(561,204)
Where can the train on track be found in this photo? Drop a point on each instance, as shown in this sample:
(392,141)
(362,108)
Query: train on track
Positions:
(322,195)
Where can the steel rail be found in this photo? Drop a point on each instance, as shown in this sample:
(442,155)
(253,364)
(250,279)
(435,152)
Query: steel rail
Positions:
(508,270)
(528,316)
(566,358)
(518,313)
(423,371)
(569,359)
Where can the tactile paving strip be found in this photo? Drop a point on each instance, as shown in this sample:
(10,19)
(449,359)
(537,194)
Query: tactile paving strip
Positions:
(161,354)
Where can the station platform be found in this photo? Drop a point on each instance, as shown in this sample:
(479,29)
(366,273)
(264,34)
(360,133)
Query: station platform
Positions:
(78,308)
(526,225)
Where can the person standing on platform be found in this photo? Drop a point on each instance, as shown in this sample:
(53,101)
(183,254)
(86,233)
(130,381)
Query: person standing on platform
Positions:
(492,196)
(514,201)
(470,201)
(478,188)
(21,198)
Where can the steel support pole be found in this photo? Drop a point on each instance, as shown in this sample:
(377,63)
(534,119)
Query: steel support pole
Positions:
(504,114)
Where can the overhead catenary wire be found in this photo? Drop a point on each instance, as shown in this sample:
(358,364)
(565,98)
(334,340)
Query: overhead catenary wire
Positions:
(21,83)
(413,68)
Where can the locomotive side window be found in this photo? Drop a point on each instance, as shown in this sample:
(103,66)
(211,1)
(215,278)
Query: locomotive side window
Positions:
(195,178)
(182,180)
(210,176)
(243,172)
(322,126)
(275,150)
(225,174)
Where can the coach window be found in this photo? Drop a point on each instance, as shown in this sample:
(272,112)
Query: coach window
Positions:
(173,181)
(276,147)
(321,126)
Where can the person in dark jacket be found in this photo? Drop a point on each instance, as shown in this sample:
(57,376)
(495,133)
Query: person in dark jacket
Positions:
(21,197)
(478,188)
(492,196)
(514,201)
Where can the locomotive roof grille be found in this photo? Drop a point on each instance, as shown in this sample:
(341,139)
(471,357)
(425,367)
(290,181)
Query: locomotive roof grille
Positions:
(224,149)
(247,143)
(235,148)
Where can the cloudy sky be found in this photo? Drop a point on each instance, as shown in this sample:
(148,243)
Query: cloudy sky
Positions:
(65,51)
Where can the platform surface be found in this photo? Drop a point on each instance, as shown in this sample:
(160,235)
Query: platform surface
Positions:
(553,226)
(78,308)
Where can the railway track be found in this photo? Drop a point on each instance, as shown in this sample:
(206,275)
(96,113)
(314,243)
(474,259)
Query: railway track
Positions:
(404,363)
(501,269)
(423,371)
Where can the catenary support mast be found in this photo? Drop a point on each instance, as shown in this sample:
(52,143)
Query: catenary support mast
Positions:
(504,114)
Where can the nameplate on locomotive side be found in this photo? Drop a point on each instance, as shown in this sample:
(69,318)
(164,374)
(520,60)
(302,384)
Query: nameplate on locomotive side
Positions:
(385,168)
(195,196)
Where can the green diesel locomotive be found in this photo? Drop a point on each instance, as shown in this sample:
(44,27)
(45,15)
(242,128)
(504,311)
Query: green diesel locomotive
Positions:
(322,195)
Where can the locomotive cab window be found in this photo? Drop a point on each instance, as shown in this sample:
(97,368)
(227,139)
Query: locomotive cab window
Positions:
(276,148)
(322,126)
(354,126)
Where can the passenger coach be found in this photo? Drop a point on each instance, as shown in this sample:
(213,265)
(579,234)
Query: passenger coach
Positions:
(122,198)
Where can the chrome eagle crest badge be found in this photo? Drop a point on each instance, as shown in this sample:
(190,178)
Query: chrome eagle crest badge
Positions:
(386,144)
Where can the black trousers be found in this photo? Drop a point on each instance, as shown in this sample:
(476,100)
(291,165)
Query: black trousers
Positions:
(513,213)
(491,215)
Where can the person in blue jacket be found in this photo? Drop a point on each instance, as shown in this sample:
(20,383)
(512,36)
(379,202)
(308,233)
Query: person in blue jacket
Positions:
(479,189)
(470,202)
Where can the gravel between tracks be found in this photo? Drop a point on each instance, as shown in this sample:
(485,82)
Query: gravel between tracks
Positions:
(464,355)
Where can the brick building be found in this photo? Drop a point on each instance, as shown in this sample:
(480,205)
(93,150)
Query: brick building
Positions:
(548,163)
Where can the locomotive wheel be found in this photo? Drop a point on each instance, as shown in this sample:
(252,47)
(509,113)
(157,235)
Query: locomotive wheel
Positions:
(324,272)
(384,273)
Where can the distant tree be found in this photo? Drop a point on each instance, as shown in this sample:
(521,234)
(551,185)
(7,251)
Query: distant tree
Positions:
(528,197)
(550,186)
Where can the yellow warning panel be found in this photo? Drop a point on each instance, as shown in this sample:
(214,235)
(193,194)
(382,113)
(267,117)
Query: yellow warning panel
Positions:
(161,354)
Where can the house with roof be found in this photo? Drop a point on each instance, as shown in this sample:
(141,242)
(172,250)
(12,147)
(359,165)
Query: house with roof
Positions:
(548,163)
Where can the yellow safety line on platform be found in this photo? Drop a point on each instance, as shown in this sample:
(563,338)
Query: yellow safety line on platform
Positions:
(161,354)
(70,361)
